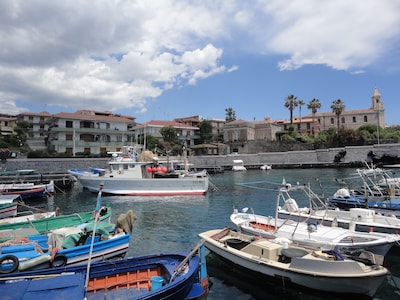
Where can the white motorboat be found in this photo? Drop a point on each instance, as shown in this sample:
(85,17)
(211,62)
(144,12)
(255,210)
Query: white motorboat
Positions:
(266,167)
(358,219)
(311,234)
(127,176)
(238,165)
(328,272)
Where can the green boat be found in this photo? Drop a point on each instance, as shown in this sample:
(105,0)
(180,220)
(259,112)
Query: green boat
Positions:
(25,228)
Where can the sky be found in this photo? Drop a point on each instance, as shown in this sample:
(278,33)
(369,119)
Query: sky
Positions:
(160,60)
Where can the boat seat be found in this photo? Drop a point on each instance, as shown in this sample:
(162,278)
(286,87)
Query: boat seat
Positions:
(289,253)
(294,252)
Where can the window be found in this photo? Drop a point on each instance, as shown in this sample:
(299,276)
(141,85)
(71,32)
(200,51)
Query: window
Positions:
(365,119)
(343,120)
(68,137)
(354,120)
(69,124)
(332,121)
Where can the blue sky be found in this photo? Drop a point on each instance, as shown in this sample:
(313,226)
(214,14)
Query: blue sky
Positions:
(172,58)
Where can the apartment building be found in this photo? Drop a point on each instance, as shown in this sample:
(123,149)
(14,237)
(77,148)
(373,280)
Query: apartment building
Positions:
(185,133)
(89,132)
(7,124)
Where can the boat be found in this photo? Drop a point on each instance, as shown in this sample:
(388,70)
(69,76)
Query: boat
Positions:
(345,198)
(358,219)
(170,276)
(266,167)
(238,165)
(310,234)
(90,172)
(28,191)
(128,176)
(9,205)
(326,271)
(68,245)
(378,190)
(38,223)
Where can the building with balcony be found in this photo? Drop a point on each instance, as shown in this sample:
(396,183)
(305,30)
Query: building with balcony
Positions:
(186,134)
(37,130)
(7,124)
(89,132)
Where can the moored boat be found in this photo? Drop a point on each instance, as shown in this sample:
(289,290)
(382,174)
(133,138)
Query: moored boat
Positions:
(357,219)
(66,246)
(153,276)
(289,264)
(9,205)
(127,176)
(14,227)
(310,234)
(28,191)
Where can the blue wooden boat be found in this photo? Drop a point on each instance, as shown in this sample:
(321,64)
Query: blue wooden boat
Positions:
(155,276)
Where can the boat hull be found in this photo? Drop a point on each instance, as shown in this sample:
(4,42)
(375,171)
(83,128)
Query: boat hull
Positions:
(8,210)
(185,186)
(327,276)
(160,264)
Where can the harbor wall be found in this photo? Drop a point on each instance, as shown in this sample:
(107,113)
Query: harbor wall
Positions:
(333,157)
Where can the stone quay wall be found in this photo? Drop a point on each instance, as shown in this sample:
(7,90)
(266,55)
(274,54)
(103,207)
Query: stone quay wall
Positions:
(348,156)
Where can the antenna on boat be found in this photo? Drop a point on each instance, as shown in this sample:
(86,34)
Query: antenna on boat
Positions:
(96,217)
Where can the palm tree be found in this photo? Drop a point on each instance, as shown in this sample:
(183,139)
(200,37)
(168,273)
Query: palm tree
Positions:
(314,105)
(290,103)
(337,107)
(230,114)
(300,103)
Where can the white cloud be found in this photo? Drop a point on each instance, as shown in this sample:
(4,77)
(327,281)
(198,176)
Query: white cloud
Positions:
(119,54)
(340,34)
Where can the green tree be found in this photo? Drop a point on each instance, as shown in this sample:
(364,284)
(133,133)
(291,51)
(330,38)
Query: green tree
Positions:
(230,114)
(291,103)
(314,105)
(169,134)
(337,107)
(205,131)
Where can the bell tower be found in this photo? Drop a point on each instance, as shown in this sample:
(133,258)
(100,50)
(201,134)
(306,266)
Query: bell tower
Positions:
(377,106)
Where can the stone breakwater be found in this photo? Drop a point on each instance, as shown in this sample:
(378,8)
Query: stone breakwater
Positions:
(333,157)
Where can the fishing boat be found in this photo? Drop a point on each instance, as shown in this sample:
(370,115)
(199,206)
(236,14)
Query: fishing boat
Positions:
(128,176)
(310,234)
(9,205)
(320,270)
(38,223)
(357,219)
(66,246)
(28,191)
(378,190)
(90,172)
(174,276)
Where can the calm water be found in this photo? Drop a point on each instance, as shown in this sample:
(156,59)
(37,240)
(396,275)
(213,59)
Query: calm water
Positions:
(172,224)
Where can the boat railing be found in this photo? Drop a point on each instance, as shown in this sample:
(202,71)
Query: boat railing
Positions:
(185,260)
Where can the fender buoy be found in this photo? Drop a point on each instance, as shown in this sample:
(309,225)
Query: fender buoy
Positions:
(8,264)
(59,260)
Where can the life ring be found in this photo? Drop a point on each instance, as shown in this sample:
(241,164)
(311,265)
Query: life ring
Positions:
(7,260)
(59,260)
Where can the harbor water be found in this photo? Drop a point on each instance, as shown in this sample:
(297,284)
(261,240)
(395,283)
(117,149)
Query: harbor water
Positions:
(173,223)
